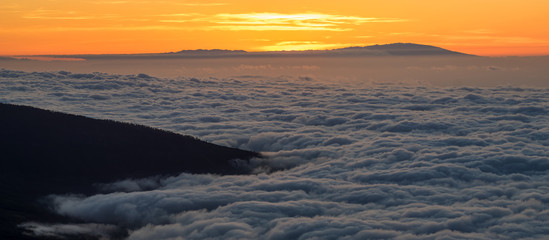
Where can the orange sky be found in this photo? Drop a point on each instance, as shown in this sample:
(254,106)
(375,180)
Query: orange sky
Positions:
(483,27)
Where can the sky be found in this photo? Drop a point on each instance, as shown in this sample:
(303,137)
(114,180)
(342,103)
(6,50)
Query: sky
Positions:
(487,27)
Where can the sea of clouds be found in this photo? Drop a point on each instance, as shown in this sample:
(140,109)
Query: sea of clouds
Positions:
(375,161)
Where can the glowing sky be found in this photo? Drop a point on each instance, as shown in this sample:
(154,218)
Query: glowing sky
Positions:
(483,27)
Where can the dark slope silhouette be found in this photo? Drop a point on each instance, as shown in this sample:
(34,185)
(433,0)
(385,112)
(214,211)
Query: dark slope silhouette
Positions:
(44,152)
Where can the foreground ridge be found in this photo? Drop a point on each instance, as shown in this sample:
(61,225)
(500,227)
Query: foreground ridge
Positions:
(46,152)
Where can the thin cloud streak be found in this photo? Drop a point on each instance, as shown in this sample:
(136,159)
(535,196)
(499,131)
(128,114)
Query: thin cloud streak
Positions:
(116,28)
(203,4)
(221,21)
(304,45)
(110,2)
(495,39)
(277,21)
(64,15)
(302,19)
(275,28)
(197,4)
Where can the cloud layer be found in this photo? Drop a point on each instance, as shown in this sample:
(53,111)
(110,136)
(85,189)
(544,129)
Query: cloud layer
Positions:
(376,162)
(289,22)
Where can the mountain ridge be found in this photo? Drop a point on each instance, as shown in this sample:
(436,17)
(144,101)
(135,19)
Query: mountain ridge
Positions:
(46,152)
(392,49)
(407,49)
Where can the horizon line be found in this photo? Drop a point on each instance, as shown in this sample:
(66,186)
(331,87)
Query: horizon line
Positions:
(21,56)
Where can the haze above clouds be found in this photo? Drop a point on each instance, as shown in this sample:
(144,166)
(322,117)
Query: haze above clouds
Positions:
(422,149)
(423,70)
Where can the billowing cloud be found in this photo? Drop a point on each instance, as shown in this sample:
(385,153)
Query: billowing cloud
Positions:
(377,161)
(63,231)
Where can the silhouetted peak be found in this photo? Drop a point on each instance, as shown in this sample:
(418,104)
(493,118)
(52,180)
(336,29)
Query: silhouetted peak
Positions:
(403,49)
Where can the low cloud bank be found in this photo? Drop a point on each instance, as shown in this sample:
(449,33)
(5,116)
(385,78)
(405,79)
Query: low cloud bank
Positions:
(377,162)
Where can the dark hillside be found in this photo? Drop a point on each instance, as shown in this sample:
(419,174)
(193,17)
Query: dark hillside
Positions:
(45,152)
(406,49)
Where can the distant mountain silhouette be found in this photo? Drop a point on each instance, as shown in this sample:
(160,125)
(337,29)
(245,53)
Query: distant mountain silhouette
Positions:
(44,152)
(393,49)
(402,49)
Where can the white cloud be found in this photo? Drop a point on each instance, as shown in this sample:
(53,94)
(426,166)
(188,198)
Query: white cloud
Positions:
(377,161)
(63,231)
